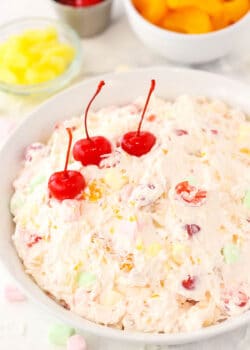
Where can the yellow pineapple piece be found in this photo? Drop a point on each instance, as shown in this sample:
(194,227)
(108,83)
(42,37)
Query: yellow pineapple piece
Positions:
(153,249)
(62,50)
(245,151)
(139,244)
(179,252)
(110,297)
(7,76)
(114,179)
(244,133)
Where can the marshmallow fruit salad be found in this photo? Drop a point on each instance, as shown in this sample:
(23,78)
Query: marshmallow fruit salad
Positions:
(138,216)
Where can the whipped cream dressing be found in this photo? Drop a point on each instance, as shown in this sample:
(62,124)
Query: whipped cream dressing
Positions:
(118,254)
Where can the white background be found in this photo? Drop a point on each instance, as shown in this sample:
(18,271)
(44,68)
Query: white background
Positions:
(24,326)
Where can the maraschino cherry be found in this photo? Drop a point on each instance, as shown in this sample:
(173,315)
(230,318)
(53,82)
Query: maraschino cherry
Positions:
(137,143)
(90,151)
(79,3)
(66,184)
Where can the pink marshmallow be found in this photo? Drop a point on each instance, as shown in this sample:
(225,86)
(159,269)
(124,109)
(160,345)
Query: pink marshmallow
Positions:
(6,126)
(13,294)
(76,342)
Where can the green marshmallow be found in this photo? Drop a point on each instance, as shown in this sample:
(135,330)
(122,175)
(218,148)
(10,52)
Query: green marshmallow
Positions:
(59,334)
(86,279)
(36,181)
(231,253)
(15,203)
(192,180)
(246,200)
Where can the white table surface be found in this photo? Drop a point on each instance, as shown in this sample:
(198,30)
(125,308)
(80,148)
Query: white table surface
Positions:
(24,326)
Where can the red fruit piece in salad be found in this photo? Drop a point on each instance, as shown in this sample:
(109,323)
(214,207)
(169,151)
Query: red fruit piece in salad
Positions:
(32,149)
(190,194)
(236,297)
(181,132)
(189,283)
(34,239)
(192,229)
(151,118)
(243,299)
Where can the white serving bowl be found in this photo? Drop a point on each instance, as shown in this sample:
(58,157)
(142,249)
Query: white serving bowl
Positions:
(121,88)
(188,48)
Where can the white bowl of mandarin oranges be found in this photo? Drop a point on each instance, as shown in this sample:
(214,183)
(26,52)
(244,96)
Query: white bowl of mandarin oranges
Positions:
(190,31)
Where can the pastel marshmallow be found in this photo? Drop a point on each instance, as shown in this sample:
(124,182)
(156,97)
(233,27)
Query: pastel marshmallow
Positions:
(246,200)
(76,342)
(231,253)
(86,279)
(60,333)
(13,294)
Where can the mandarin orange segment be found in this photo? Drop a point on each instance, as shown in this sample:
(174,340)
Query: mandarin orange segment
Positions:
(188,20)
(235,9)
(219,22)
(212,7)
(153,11)
(232,11)
(140,4)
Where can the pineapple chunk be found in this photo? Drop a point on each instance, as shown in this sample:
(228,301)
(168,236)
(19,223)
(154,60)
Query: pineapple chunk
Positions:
(34,57)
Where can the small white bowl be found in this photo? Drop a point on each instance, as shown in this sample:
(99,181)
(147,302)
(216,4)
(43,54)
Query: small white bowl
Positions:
(123,88)
(188,48)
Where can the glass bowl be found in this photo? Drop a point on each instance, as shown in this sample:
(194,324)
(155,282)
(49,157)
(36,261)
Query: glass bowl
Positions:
(66,35)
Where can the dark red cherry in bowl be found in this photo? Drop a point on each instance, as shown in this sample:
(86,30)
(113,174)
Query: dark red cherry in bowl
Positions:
(66,184)
(137,143)
(91,151)
(79,3)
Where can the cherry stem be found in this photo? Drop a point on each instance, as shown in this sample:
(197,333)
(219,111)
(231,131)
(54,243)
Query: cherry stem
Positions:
(100,86)
(68,150)
(146,105)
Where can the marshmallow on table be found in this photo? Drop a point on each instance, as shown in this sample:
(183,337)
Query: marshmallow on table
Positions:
(76,342)
(6,126)
(13,294)
(60,333)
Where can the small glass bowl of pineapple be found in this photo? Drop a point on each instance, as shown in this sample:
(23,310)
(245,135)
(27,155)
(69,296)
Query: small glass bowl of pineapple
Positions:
(38,55)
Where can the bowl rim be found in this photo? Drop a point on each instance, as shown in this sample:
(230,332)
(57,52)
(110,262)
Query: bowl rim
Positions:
(92,327)
(83,8)
(60,81)
(220,32)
